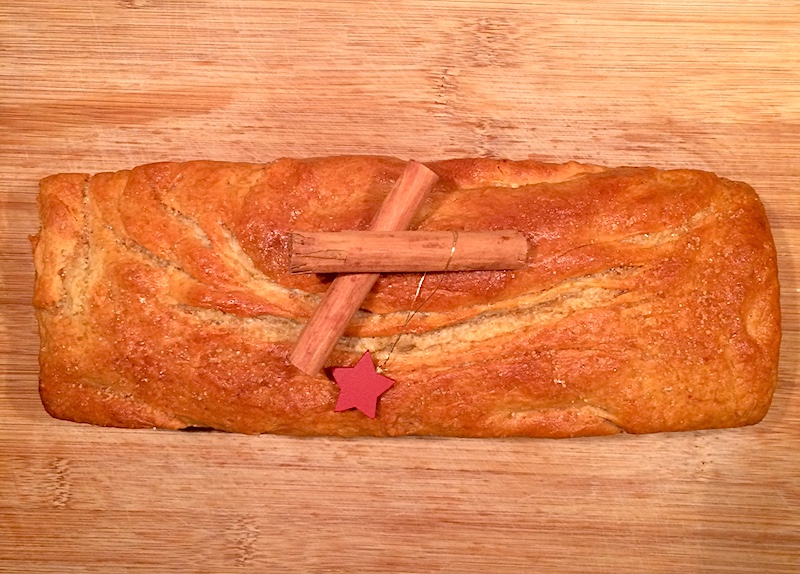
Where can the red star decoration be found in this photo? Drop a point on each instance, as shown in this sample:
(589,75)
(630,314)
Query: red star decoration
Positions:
(360,386)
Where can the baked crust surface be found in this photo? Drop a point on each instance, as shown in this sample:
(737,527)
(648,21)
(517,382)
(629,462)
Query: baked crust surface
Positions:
(650,301)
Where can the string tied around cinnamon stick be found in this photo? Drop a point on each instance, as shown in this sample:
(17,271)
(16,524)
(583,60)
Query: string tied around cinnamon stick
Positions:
(405,251)
(359,256)
(347,292)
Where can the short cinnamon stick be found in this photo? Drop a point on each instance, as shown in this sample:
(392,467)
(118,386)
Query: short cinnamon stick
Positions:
(406,251)
(347,292)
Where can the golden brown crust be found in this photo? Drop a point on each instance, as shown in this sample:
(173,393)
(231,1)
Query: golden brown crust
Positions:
(650,302)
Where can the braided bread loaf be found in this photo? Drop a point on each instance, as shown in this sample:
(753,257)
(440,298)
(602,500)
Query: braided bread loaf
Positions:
(649,303)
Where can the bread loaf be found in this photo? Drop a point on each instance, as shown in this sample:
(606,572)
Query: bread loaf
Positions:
(649,302)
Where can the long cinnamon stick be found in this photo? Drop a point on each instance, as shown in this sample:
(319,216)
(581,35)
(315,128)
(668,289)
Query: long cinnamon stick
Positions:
(347,292)
(406,251)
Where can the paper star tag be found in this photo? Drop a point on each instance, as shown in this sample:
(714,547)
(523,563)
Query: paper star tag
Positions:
(360,386)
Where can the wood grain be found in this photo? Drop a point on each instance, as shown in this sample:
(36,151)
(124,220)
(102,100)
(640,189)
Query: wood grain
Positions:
(105,85)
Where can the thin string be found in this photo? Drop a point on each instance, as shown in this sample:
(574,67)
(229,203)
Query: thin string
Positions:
(414,310)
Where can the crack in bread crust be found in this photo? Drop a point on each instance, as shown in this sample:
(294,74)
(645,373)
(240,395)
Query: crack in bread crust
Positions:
(649,302)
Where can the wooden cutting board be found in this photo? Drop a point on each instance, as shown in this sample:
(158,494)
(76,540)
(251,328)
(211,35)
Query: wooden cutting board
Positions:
(109,84)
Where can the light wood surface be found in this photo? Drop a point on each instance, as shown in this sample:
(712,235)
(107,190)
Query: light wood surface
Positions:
(109,84)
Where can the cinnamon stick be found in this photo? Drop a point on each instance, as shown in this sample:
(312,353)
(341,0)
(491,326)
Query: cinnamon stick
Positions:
(347,292)
(406,251)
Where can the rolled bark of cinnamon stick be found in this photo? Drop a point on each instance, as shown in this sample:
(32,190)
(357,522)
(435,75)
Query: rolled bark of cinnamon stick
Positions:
(347,292)
(406,251)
